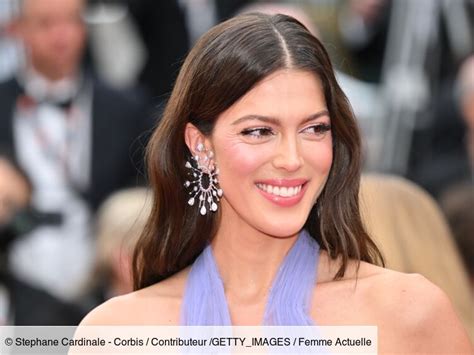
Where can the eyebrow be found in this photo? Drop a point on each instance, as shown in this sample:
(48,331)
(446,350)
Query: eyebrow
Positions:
(276,121)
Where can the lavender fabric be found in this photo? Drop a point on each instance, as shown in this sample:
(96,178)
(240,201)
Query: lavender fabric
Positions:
(288,303)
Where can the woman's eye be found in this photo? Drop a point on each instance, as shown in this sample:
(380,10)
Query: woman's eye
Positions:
(259,132)
(318,129)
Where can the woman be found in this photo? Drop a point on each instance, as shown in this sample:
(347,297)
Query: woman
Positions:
(258,156)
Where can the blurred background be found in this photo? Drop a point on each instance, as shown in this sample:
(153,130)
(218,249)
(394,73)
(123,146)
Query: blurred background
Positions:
(82,84)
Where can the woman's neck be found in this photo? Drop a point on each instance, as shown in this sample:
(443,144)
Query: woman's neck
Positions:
(248,260)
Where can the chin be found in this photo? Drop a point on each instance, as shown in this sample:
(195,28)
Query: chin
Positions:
(284,228)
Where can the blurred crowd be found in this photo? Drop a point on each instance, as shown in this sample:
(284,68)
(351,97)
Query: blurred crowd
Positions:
(82,84)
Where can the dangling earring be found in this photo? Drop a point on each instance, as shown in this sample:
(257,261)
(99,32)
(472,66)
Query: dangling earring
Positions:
(204,184)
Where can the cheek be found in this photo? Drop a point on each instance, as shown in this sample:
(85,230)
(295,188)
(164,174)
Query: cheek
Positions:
(77,36)
(40,44)
(325,160)
(320,157)
(236,159)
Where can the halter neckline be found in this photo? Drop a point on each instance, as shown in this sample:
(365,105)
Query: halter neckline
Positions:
(289,299)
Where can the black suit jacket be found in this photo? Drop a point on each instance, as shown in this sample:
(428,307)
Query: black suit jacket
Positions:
(32,306)
(120,121)
(439,156)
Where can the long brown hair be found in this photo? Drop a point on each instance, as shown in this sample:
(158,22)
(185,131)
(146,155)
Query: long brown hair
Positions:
(226,63)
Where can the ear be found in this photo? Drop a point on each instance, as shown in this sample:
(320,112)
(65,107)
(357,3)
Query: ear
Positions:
(194,138)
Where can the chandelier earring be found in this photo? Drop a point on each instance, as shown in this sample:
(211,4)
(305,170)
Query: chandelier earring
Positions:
(203,185)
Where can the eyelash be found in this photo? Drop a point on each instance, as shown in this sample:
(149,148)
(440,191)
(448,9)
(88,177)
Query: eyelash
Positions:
(319,129)
(261,132)
(258,132)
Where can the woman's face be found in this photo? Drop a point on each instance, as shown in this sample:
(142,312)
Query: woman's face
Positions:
(274,151)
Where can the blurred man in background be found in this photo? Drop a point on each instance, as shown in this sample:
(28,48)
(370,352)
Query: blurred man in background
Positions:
(71,134)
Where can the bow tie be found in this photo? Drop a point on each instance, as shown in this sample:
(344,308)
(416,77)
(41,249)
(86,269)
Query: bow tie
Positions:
(26,101)
(64,105)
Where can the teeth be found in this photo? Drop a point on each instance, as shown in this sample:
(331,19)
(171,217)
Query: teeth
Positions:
(291,191)
(280,191)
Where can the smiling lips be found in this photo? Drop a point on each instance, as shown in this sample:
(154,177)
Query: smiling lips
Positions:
(284,193)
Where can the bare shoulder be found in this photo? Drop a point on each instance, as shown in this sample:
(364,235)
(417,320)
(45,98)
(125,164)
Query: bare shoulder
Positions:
(413,295)
(412,314)
(158,304)
(414,310)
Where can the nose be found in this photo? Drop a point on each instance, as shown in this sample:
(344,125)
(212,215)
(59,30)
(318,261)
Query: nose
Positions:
(287,155)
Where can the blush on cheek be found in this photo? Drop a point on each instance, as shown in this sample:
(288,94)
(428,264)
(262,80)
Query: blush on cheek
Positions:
(326,161)
(320,158)
(243,159)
